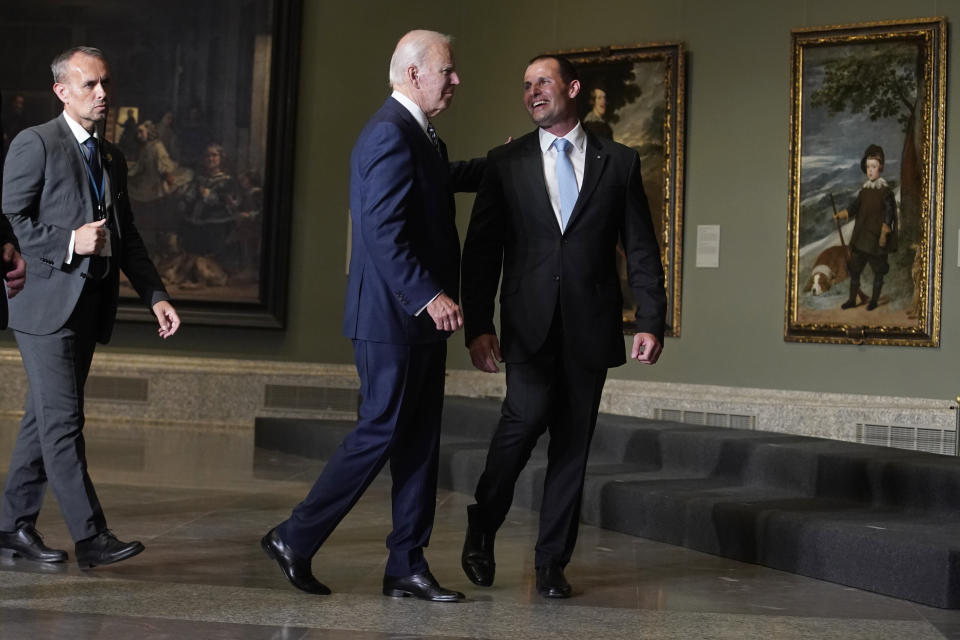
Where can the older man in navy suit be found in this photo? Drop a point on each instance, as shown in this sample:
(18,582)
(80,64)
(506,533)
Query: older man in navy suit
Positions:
(401,307)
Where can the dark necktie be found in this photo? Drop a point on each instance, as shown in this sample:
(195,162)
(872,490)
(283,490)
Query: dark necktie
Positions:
(99,265)
(93,160)
(434,138)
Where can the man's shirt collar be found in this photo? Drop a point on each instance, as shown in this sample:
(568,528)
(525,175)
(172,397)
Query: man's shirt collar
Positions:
(77,129)
(577,136)
(412,107)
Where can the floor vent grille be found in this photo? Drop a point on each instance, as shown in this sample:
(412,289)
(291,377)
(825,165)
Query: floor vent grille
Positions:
(707,418)
(913,438)
(281,396)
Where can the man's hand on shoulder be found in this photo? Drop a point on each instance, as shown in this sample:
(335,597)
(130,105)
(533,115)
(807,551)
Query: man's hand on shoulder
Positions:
(646,348)
(485,352)
(446,313)
(14,269)
(167,318)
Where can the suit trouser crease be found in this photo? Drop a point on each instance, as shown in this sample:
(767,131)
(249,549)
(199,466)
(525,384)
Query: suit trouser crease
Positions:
(398,420)
(50,445)
(550,392)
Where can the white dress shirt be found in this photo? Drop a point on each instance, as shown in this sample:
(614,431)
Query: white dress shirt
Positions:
(81,135)
(414,110)
(578,155)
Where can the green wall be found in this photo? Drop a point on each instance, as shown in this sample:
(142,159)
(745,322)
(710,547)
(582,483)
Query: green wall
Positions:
(736,176)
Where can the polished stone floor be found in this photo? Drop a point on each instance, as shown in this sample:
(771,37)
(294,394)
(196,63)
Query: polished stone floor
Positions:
(200,503)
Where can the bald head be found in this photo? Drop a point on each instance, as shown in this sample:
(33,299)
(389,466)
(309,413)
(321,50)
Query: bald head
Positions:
(422,68)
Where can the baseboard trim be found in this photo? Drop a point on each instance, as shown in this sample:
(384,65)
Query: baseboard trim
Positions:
(218,393)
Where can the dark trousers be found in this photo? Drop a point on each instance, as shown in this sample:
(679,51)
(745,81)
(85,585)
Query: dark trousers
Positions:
(50,444)
(859,260)
(551,392)
(399,420)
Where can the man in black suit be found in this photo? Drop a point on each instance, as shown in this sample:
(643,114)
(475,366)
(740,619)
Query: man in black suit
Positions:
(549,212)
(65,194)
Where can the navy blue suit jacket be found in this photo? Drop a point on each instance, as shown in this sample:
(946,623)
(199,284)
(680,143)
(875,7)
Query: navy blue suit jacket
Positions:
(405,243)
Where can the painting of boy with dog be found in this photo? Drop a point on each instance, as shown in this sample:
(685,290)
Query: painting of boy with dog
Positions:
(863,232)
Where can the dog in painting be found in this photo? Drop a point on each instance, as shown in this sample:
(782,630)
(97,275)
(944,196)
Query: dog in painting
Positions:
(829,269)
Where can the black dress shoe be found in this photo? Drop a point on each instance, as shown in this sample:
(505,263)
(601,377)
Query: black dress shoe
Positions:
(26,542)
(551,583)
(477,557)
(419,585)
(104,548)
(295,568)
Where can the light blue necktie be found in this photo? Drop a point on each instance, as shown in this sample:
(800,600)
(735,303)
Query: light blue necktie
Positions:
(566,181)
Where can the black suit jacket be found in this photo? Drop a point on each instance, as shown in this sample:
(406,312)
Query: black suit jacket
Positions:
(513,229)
(46,195)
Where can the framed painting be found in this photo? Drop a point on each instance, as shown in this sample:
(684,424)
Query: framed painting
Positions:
(203,111)
(635,95)
(866,183)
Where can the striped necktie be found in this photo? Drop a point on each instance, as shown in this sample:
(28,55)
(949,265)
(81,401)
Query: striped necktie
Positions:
(434,138)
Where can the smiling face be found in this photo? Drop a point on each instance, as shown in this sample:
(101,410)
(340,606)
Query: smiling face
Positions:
(549,100)
(85,90)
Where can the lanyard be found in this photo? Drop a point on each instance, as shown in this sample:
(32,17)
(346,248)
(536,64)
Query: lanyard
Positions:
(98,190)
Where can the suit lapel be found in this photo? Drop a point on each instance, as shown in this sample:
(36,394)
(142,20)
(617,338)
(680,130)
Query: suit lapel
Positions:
(110,196)
(417,134)
(531,169)
(78,167)
(594,163)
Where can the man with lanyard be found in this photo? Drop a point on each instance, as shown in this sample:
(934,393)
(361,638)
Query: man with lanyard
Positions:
(75,241)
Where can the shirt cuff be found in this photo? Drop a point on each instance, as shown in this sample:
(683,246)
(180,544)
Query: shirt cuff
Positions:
(420,310)
(69,258)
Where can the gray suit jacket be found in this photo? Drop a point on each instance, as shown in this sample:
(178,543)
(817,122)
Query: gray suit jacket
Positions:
(46,195)
(6,235)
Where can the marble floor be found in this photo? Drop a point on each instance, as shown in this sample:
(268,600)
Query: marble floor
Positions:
(201,501)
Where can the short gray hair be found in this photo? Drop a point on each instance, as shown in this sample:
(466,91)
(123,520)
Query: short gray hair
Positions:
(59,64)
(412,51)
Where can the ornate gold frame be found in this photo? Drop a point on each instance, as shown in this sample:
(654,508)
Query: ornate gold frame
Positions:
(920,324)
(590,64)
